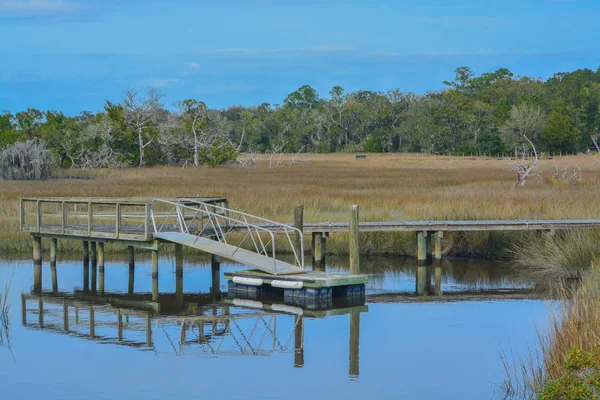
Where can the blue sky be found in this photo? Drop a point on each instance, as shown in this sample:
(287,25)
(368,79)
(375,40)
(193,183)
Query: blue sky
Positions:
(71,55)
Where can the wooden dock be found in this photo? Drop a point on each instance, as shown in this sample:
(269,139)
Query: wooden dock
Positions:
(208,224)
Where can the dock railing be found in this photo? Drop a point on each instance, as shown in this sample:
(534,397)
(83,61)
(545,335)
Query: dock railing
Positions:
(103,218)
(201,219)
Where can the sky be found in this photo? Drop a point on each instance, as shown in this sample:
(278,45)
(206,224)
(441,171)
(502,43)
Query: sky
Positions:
(72,55)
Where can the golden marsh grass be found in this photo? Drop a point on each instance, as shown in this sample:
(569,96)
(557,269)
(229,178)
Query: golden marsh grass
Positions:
(388,187)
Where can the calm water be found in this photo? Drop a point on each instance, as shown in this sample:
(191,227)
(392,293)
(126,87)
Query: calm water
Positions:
(396,346)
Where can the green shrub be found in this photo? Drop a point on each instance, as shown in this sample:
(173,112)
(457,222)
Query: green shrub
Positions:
(217,154)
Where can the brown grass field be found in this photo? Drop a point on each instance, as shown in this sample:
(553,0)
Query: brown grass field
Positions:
(387,187)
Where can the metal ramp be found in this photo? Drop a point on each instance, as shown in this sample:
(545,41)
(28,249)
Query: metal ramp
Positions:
(227,233)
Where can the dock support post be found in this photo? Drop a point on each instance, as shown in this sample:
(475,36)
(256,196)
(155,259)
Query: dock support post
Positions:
(318,249)
(179,274)
(53,249)
(37,263)
(354,242)
(93,252)
(215,266)
(155,272)
(86,275)
(101,267)
(86,251)
(437,245)
(299,224)
(354,343)
(94,262)
(298,341)
(131,257)
(424,246)
(131,282)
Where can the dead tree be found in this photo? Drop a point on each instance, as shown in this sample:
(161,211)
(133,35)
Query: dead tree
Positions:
(567,174)
(141,113)
(523,166)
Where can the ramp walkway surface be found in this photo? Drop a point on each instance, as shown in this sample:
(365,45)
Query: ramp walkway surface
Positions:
(234,253)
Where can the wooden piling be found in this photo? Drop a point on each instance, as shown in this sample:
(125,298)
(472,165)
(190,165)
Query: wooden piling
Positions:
(155,273)
(37,263)
(354,242)
(53,249)
(93,251)
(215,264)
(54,276)
(101,267)
(299,224)
(437,245)
(86,275)
(423,246)
(86,251)
(179,274)
(131,252)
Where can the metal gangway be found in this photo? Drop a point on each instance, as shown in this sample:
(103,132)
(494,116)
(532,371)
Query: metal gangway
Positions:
(228,233)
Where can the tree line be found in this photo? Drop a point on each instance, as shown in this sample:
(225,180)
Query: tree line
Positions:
(480,114)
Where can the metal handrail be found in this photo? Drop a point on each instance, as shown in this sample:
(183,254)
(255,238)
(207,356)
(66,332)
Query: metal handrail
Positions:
(285,227)
(204,209)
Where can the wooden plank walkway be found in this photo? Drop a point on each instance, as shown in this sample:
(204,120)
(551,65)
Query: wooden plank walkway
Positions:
(449,226)
(243,256)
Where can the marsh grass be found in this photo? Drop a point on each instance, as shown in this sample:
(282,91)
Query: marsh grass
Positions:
(565,255)
(566,363)
(388,187)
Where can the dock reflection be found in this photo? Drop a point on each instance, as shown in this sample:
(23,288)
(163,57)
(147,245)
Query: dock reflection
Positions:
(209,324)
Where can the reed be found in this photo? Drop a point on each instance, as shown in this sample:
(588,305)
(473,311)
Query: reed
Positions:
(566,364)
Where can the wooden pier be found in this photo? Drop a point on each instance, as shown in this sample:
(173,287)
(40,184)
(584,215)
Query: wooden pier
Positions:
(208,224)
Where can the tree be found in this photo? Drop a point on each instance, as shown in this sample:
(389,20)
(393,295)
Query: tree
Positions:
(29,122)
(195,128)
(141,113)
(559,133)
(525,121)
(304,98)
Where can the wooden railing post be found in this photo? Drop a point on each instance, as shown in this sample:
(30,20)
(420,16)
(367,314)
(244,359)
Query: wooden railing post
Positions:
(21,214)
(118,220)
(39,216)
(64,217)
(147,222)
(90,218)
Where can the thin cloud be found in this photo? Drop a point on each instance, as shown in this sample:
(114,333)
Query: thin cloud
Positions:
(164,82)
(34,8)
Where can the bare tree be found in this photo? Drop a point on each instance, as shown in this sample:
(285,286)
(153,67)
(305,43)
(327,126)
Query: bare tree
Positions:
(195,128)
(141,113)
(523,166)
(567,174)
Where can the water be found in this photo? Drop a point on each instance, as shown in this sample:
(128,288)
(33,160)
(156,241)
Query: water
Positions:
(396,346)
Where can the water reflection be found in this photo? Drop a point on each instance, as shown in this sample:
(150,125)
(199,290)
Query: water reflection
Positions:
(208,324)
(348,351)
